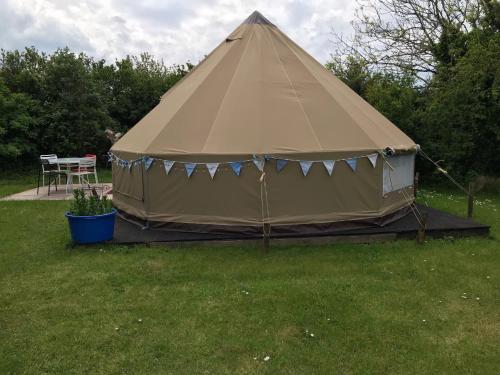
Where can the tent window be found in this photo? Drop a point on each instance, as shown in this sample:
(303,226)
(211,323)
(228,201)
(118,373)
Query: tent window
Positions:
(402,175)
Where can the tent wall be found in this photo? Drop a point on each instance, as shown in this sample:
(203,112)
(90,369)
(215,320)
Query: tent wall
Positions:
(228,199)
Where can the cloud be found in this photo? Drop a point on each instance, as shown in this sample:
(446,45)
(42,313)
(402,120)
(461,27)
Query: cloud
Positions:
(174,30)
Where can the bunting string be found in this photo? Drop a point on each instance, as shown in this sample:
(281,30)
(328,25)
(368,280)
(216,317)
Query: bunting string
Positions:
(258,161)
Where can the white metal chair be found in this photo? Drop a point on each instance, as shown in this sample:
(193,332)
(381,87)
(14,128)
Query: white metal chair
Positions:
(48,167)
(86,167)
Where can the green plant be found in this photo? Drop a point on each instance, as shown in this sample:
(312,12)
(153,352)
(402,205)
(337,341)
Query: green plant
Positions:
(89,206)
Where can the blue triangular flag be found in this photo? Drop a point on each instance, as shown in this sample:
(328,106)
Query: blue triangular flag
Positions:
(259,163)
(305,165)
(352,163)
(147,162)
(236,166)
(373,159)
(280,164)
(329,164)
(110,157)
(168,164)
(212,169)
(190,168)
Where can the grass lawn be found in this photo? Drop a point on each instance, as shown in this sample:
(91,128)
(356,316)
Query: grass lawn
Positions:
(385,308)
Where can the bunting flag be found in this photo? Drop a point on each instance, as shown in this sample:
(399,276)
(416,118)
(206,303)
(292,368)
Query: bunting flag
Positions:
(212,168)
(259,163)
(168,164)
(373,159)
(280,164)
(147,162)
(190,168)
(352,163)
(236,167)
(329,164)
(305,166)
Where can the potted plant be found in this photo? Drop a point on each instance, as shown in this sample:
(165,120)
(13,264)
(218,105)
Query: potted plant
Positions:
(91,219)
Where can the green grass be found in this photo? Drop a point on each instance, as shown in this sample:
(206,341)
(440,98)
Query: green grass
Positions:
(396,307)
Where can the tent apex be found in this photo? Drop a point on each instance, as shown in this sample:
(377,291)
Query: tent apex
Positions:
(257,18)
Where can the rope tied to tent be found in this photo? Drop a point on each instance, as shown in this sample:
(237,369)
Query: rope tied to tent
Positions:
(264,205)
(443,171)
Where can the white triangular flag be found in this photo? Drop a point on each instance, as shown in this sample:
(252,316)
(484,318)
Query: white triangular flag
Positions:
(329,164)
(259,163)
(168,164)
(212,168)
(373,159)
(305,165)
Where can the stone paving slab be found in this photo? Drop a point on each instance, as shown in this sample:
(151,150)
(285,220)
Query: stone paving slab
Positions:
(59,195)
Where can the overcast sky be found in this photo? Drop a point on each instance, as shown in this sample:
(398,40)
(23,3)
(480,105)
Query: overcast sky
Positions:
(174,30)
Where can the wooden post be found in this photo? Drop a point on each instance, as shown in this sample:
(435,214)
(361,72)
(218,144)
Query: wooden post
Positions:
(415,185)
(470,201)
(421,228)
(267,231)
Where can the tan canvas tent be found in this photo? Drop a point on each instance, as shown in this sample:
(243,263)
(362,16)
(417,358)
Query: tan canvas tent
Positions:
(260,132)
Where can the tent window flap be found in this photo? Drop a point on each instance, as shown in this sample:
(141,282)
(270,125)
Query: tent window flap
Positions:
(402,174)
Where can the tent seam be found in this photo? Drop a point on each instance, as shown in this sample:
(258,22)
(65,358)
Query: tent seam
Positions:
(376,146)
(365,115)
(295,92)
(192,92)
(226,94)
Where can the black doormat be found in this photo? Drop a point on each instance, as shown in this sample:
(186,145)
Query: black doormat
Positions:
(439,224)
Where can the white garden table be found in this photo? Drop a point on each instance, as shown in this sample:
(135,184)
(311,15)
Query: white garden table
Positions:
(67,162)
(65,165)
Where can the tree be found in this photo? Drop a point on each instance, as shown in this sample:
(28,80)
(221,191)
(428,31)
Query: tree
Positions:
(352,70)
(411,35)
(395,96)
(136,85)
(18,120)
(75,112)
(22,71)
(463,109)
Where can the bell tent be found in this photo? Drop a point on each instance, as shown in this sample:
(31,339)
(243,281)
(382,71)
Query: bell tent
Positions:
(261,133)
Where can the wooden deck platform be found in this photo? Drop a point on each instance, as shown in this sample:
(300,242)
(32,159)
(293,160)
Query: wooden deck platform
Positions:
(439,224)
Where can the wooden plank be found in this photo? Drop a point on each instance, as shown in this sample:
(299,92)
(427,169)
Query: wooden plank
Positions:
(323,240)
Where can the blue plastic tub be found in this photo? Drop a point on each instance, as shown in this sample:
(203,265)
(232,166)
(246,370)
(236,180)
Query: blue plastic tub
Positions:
(92,229)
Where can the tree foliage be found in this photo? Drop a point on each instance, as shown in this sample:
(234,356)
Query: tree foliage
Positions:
(18,121)
(433,68)
(62,103)
(411,35)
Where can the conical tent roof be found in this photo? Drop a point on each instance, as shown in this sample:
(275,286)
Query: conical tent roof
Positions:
(260,93)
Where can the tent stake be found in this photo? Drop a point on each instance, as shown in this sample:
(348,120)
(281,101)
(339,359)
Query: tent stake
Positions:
(421,228)
(470,201)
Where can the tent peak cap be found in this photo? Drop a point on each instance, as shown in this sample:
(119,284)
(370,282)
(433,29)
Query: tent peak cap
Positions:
(257,18)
